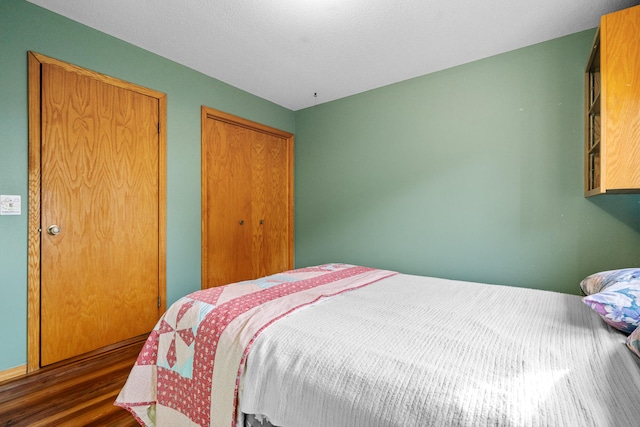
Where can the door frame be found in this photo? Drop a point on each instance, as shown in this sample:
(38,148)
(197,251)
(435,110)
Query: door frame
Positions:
(210,113)
(35,61)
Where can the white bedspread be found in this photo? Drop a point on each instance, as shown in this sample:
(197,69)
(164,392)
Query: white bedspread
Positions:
(416,351)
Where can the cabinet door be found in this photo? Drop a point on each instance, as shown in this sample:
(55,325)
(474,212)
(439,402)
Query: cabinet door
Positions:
(620,63)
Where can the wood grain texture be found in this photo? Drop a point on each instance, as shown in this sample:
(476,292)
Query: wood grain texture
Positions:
(11,373)
(78,393)
(114,139)
(33,233)
(619,61)
(247,199)
(621,93)
(274,208)
(228,202)
(100,185)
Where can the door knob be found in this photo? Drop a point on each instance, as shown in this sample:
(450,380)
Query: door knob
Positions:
(54,229)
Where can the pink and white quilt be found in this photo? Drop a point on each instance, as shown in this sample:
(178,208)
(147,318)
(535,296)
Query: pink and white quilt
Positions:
(189,369)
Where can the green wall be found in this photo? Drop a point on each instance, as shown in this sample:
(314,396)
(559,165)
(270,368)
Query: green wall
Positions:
(25,27)
(471,173)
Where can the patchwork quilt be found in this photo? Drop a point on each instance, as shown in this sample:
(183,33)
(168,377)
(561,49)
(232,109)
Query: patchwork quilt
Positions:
(189,369)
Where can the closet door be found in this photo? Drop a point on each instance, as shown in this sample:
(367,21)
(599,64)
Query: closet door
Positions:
(247,199)
(227,203)
(270,213)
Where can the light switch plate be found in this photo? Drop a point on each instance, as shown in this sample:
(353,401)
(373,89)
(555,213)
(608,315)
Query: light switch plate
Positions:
(10,205)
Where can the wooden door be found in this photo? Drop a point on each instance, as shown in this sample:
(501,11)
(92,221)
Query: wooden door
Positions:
(228,208)
(269,189)
(247,199)
(101,185)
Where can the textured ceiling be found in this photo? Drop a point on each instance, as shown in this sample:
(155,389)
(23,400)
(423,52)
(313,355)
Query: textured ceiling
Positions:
(288,50)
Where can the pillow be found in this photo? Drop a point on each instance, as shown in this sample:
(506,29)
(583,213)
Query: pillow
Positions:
(618,305)
(598,281)
(633,342)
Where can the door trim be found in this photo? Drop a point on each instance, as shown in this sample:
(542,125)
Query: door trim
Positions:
(210,113)
(35,61)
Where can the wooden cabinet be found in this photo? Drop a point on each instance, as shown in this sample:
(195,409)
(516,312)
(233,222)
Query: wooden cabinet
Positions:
(247,199)
(612,106)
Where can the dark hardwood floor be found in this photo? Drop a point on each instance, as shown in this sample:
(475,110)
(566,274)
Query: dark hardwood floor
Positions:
(76,393)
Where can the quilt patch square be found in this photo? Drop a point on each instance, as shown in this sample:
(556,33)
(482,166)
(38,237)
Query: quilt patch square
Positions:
(177,335)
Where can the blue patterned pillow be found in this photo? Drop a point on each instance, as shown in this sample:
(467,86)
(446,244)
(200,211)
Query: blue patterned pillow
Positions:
(618,305)
(633,342)
(599,281)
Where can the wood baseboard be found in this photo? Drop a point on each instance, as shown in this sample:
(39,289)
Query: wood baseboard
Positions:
(11,373)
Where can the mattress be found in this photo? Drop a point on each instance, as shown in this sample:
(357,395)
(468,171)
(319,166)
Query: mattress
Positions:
(341,345)
(419,351)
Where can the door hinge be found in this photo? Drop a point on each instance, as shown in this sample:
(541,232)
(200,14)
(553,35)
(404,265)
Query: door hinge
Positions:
(158,302)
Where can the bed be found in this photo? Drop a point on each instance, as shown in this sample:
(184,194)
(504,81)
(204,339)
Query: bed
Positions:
(343,345)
